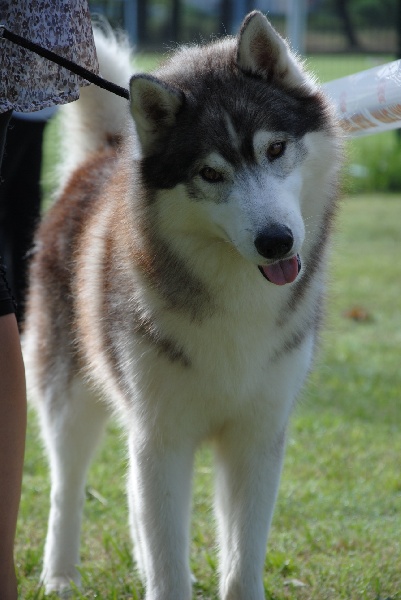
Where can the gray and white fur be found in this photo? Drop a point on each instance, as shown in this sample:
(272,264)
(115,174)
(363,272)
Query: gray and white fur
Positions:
(165,288)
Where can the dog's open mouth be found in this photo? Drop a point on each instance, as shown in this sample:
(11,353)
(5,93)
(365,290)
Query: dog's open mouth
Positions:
(283,271)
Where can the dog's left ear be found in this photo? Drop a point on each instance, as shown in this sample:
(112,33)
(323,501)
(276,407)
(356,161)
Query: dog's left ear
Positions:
(262,51)
(154,107)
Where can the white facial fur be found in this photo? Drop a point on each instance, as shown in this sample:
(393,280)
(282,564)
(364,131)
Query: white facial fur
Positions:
(254,197)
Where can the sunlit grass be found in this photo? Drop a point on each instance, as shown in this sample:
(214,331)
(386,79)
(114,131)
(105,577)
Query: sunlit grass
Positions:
(336,528)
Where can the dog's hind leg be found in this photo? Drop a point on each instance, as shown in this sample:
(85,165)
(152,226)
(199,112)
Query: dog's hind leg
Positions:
(72,424)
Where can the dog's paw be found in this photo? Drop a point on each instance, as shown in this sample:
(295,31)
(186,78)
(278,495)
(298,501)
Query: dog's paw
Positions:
(60,584)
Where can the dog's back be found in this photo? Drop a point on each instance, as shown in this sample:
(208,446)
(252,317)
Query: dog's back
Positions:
(90,133)
(179,277)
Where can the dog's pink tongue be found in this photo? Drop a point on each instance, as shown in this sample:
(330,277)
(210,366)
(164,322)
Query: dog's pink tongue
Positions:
(282,272)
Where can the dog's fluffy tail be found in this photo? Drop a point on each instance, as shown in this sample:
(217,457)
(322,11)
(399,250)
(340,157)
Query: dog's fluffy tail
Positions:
(98,116)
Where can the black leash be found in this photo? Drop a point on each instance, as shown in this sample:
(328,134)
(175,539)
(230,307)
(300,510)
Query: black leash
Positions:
(63,62)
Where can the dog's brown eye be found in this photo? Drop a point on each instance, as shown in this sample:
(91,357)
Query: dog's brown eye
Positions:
(211,175)
(275,150)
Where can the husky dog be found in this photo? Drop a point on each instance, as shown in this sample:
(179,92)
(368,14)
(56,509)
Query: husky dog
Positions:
(178,282)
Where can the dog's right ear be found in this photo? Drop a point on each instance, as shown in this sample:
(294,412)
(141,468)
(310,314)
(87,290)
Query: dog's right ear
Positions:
(154,107)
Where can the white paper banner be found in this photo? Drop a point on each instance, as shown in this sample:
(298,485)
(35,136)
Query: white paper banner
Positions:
(370,101)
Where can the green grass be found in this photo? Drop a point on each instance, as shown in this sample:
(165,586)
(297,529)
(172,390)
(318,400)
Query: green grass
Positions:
(333,66)
(336,528)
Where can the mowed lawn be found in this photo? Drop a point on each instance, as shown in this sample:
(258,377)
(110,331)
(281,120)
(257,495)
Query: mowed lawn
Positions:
(337,529)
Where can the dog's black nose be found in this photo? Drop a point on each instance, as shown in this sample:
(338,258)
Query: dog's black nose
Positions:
(274,241)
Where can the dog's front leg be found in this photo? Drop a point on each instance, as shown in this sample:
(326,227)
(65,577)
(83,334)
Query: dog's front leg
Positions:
(159,499)
(248,473)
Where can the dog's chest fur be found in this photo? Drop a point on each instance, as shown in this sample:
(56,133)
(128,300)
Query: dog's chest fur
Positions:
(223,344)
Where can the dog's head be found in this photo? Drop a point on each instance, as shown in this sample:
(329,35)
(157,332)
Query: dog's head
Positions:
(246,140)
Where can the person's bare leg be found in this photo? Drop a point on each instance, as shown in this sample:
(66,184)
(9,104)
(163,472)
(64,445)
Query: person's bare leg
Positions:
(12,445)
